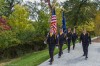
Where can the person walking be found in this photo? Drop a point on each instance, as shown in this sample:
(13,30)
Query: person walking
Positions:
(51,41)
(85,39)
(61,38)
(74,37)
(69,38)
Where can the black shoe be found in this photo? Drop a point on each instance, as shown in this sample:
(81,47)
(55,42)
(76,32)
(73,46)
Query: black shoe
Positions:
(50,63)
(59,56)
(68,51)
(49,60)
(83,54)
(86,58)
(62,53)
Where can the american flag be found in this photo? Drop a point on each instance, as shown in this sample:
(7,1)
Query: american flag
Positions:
(53,25)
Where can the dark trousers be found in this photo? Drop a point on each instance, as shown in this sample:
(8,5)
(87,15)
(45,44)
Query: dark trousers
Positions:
(51,51)
(85,48)
(60,49)
(69,41)
(73,41)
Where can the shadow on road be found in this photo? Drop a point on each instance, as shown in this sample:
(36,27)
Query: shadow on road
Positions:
(75,60)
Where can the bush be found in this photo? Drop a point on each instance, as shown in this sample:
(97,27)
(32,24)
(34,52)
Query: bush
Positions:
(39,43)
(8,39)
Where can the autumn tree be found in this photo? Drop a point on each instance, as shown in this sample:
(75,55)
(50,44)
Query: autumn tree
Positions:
(97,24)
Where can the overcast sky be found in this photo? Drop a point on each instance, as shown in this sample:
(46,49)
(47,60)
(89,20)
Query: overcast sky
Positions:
(39,0)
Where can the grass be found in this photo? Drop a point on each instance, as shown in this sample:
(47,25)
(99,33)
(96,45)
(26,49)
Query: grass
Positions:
(33,59)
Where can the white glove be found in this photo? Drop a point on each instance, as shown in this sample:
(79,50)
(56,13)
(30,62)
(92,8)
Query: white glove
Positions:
(45,42)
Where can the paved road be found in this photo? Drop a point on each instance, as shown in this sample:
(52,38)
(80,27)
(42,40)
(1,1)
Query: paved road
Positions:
(75,58)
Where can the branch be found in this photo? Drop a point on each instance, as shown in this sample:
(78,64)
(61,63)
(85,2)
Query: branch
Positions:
(49,4)
(53,5)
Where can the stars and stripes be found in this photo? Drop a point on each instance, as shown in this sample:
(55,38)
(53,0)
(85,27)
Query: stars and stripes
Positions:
(53,25)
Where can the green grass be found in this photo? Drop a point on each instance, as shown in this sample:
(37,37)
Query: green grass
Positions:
(33,59)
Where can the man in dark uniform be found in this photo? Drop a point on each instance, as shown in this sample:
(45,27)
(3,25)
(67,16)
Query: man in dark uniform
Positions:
(69,37)
(84,37)
(74,37)
(52,41)
(61,38)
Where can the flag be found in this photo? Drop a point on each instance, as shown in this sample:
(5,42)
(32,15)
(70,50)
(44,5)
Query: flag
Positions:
(53,24)
(63,22)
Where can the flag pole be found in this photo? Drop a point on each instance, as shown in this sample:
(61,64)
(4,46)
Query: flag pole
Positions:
(52,8)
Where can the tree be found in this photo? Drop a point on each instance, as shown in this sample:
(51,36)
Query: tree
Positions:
(59,16)
(79,11)
(3,24)
(2,7)
(89,26)
(97,23)
(39,13)
(7,6)
(34,9)
(20,24)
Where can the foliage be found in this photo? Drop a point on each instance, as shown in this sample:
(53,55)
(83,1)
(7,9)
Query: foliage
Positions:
(89,26)
(20,24)
(21,29)
(59,16)
(79,11)
(21,33)
(7,6)
(97,24)
(41,29)
(34,9)
(8,39)
(2,8)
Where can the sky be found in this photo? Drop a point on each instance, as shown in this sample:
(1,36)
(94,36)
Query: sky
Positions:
(39,0)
